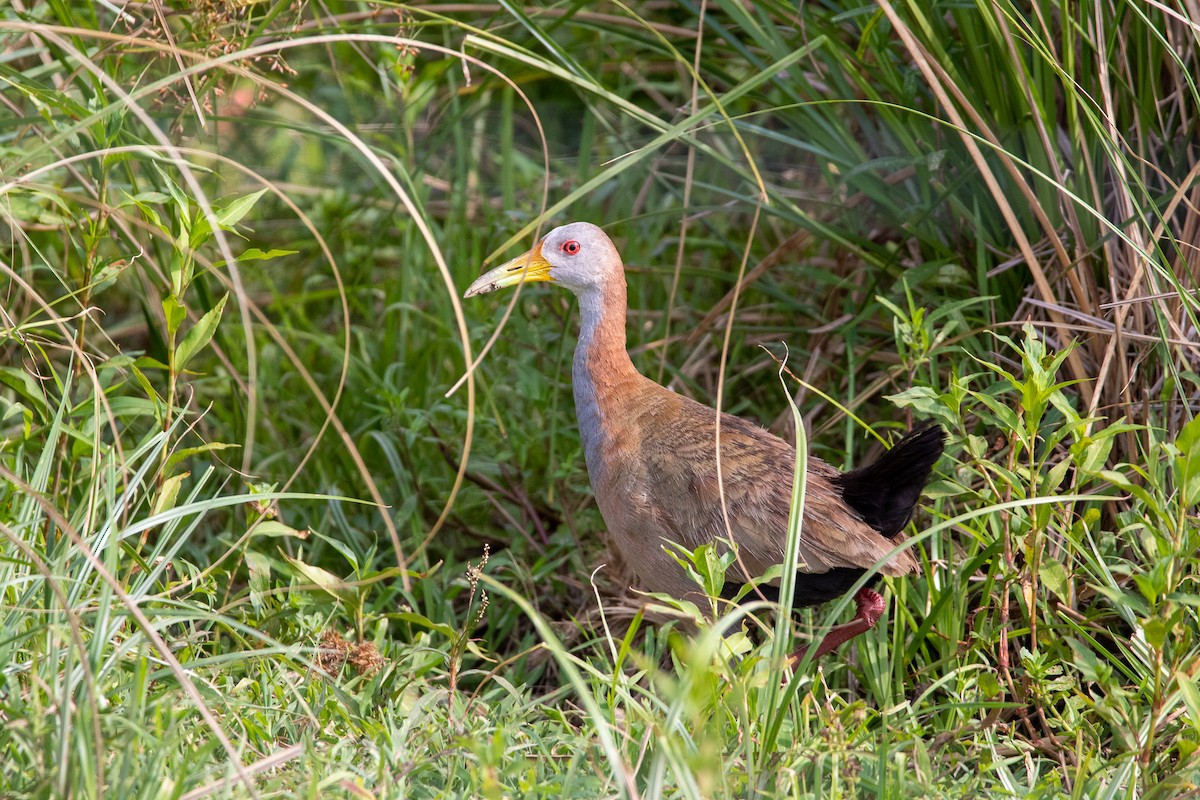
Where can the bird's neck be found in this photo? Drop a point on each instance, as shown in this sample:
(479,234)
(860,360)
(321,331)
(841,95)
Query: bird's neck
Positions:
(603,374)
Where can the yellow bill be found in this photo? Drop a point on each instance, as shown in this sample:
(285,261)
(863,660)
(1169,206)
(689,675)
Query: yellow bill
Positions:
(529,267)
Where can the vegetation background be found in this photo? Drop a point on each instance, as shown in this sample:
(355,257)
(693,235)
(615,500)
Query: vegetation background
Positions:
(264,533)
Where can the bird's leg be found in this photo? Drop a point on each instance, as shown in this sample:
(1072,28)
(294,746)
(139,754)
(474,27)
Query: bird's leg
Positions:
(870,609)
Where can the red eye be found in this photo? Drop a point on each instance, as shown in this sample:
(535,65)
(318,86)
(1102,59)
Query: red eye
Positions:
(570,247)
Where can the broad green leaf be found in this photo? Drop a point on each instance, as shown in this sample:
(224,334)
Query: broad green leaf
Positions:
(169,493)
(920,398)
(200,334)
(1053,576)
(231,213)
(175,312)
(152,216)
(989,686)
(324,580)
(13,410)
(26,387)
(1155,631)
(1095,452)
(226,215)
(108,273)
(1054,477)
(1004,413)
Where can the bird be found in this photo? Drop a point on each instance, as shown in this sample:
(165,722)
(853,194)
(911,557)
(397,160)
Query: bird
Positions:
(651,457)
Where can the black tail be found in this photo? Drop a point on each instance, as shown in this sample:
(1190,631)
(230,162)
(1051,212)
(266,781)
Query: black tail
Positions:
(885,492)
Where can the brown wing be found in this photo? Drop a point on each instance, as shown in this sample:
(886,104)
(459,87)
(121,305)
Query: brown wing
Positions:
(679,495)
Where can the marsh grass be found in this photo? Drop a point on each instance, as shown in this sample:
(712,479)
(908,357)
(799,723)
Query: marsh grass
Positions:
(254,449)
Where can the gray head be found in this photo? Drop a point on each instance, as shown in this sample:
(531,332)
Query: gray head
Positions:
(578,256)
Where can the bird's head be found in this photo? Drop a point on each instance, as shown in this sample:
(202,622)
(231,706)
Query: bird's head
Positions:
(579,256)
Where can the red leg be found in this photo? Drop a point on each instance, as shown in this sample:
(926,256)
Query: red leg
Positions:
(870,609)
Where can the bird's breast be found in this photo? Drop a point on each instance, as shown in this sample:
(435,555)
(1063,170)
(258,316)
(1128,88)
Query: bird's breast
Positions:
(591,421)
(610,421)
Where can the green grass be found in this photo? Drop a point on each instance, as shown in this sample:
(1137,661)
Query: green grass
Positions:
(264,533)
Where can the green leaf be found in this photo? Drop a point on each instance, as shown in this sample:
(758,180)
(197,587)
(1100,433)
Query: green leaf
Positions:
(324,580)
(1053,575)
(1004,413)
(169,493)
(225,215)
(1118,479)
(26,386)
(1155,631)
(976,446)
(1191,697)
(1090,667)
(925,401)
(712,563)
(254,254)
(338,545)
(175,312)
(1095,454)
(1187,463)
(143,197)
(425,622)
(107,274)
(231,213)
(146,362)
(10,410)
(272,528)
(151,214)
(151,393)
(989,686)
(182,203)
(1150,585)
(1054,477)
(199,335)
(188,452)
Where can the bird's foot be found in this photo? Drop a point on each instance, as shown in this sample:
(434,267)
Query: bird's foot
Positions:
(870,609)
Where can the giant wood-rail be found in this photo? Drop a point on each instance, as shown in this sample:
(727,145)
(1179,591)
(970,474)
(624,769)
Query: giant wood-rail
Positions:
(651,457)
